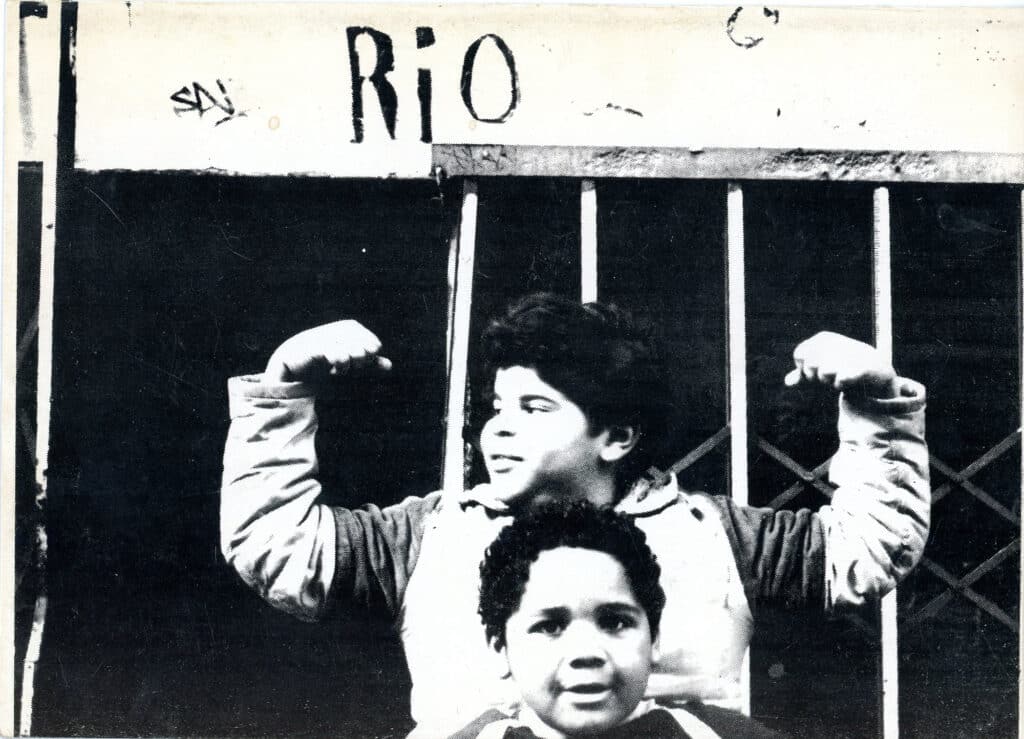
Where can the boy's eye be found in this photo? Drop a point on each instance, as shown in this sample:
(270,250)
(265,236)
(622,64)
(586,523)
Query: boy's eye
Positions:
(616,622)
(537,407)
(549,627)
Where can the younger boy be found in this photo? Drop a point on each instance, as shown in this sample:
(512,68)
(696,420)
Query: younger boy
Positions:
(569,598)
(578,402)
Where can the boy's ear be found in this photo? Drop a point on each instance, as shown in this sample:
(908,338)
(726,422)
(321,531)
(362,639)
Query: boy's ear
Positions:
(619,442)
(656,650)
(498,660)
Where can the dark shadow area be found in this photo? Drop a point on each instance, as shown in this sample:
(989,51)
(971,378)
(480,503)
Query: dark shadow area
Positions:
(956,289)
(167,285)
(27,581)
(808,269)
(661,253)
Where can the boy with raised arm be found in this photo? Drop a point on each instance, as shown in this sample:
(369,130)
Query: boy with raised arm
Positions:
(578,401)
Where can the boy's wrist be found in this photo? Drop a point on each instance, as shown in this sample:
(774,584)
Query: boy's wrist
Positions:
(244,389)
(902,395)
(882,390)
(277,371)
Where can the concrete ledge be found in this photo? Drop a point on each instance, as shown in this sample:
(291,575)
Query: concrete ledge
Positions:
(729,164)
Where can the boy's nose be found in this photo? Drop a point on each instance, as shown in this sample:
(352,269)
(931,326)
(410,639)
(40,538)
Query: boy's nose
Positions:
(584,649)
(587,661)
(500,425)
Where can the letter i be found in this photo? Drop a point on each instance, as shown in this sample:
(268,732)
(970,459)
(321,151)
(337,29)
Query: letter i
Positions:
(424,38)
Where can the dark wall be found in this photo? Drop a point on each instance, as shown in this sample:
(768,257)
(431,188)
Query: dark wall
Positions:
(808,262)
(167,285)
(956,292)
(27,514)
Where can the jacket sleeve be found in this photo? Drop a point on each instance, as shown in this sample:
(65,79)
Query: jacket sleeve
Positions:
(873,532)
(300,555)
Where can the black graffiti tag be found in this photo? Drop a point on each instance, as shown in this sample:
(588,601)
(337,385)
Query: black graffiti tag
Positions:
(200,100)
(743,38)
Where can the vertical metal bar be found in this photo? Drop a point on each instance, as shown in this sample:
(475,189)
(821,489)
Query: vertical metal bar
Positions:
(882,274)
(23,40)
(453,268)
(882,282)
(1020,386)
(8,353)
(737,329)
(460,286)
(57,156)
(8,397)
(588,241)
(737,359)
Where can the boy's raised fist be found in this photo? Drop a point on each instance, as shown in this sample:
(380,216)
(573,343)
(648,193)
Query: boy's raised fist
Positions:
(330,349)
(843,363)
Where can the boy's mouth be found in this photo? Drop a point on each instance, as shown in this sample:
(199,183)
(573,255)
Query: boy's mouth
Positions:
(588,692)
(503,462)
(588,688)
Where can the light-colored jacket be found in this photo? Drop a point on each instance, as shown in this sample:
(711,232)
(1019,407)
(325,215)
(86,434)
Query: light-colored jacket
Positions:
(422,556)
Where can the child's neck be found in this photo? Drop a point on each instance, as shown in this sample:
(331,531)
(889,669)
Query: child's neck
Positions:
(533,722)
(598,491)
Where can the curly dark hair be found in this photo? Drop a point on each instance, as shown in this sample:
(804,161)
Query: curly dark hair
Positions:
(505,569)
(598,357)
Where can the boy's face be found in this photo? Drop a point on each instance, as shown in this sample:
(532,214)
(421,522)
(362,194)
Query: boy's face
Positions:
(538,439)
(579,647)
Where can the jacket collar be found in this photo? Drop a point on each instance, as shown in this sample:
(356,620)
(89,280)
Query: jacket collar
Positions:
(646,497)
(643,499)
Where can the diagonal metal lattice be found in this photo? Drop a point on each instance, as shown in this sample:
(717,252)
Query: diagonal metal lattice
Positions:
(815,478)
(691,457)
(962,586)
(962,478)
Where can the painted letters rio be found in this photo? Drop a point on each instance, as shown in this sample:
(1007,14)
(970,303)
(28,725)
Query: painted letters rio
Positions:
(387,98)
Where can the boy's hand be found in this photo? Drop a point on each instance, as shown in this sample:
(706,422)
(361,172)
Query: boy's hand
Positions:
(331,349)
(843,363)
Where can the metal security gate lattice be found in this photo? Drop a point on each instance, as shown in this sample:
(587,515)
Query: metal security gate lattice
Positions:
(586,164)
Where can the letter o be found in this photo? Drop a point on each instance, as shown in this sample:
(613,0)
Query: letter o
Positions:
(467,77)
